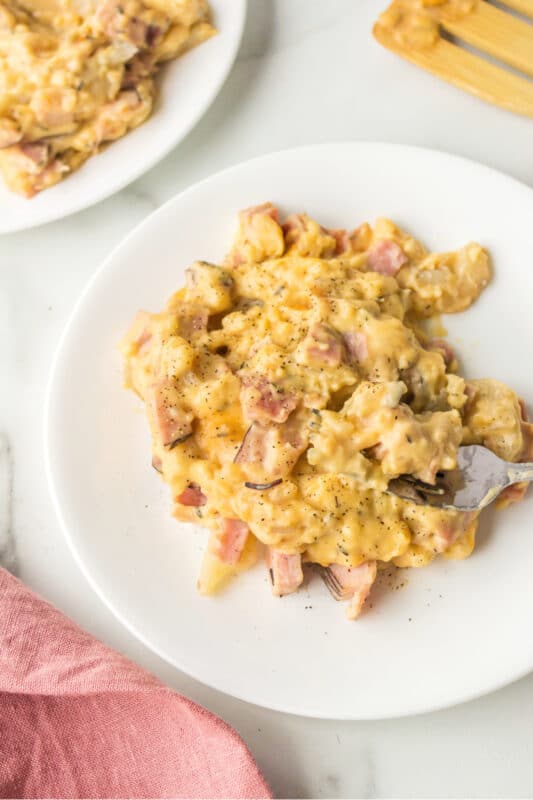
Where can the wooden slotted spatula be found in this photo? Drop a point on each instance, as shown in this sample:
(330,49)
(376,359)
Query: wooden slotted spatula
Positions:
(420,31)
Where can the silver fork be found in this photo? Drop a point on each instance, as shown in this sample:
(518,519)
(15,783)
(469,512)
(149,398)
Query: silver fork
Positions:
(479,478)
(331,582)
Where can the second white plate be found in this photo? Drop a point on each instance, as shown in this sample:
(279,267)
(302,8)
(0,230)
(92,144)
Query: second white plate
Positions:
(188,86)
(457,629)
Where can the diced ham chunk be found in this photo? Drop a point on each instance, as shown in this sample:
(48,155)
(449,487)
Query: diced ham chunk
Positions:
(444,537)
(444,348)
(449,532)
(270,452)
(285,570)
(265,209)
(386,257)
(27,167)
(33,156)
(120,26)
(113,119)
(253,447)
(323,346)
(51,174)
(141,34)
(259,237)
(264,402)
(308,238)
(356,345)
(171,422)
(342,239)
(136,68)
(512,494)
(192,495)
(229,541)
(236,257)
(292,226)
(354,584)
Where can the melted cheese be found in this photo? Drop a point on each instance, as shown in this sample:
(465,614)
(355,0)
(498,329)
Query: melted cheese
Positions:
(75,74)
(323,331)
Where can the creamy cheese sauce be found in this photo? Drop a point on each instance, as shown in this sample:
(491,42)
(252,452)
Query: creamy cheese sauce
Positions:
(288,385)
(75,74)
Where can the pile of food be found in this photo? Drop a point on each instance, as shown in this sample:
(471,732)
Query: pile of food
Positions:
(286,387)
(75,74)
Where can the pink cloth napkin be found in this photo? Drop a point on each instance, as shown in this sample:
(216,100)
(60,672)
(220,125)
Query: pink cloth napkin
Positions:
(79,720)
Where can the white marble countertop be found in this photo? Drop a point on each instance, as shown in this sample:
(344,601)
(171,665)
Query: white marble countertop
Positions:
(307,72)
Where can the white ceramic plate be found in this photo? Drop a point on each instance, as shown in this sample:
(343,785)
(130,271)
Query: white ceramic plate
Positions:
(457,629)
(188,86)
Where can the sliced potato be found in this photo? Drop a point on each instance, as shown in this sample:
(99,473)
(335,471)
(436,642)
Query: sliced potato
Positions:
(216,574)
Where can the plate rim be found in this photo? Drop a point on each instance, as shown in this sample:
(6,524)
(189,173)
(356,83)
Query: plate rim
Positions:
(241,10)
(309,712)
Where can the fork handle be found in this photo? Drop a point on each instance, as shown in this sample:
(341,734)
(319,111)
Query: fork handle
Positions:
(520,472)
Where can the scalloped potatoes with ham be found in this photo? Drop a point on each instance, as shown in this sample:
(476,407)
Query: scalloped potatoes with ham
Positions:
(286,386)
(77,74)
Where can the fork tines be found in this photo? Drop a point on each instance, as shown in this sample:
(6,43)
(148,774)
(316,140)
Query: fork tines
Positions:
(416,30)
(334,587)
